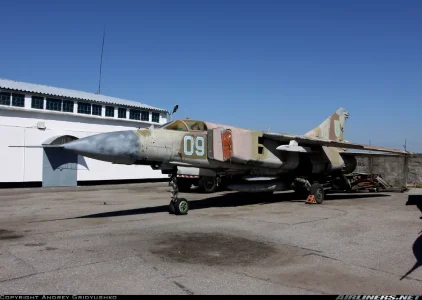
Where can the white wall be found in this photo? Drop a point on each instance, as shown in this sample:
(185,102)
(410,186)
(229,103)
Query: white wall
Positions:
(12,160)
(18,127)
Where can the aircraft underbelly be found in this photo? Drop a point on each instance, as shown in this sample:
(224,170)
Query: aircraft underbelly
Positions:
(266,186)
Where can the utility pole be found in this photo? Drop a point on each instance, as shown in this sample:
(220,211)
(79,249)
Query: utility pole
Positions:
(101,63)
(370,160)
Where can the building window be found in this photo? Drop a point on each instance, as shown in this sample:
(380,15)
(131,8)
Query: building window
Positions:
(96,109)
(54,104)
(18,100)
(155,117)
(122,113)
(68,106)
(145,116)
(109,111)
(84,108)
(4,98)
(37,102)
(135,114)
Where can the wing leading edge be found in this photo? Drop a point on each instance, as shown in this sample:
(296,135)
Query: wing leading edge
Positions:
(297,141)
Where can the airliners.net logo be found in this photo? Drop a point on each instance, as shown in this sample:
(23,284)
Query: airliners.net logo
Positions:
(378,297)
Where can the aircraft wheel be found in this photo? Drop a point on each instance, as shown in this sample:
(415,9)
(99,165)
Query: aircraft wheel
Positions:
(208,184)
(318,191)
(181,206)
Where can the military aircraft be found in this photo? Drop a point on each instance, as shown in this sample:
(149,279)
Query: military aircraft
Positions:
(263,161)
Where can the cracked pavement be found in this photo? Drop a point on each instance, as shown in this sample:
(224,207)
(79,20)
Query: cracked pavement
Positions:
(120,239)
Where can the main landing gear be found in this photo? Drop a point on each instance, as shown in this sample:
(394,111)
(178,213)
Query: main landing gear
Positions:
(177,206)
(313,193)
(316,193)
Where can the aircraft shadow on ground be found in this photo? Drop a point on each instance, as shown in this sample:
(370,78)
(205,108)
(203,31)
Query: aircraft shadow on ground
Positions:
(417,251)
(415,200)
(417,245)
(227,200)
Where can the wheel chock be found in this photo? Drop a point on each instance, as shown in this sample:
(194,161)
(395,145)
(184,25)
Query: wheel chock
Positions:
(311,200)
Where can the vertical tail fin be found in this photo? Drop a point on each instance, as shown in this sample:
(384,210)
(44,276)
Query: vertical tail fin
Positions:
(331,128)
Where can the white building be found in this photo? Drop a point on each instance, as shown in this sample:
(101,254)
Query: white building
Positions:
(32,115)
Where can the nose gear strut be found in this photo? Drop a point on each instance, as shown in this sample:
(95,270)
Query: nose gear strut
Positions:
(178,206)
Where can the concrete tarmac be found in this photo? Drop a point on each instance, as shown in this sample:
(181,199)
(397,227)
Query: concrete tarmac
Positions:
(120,239)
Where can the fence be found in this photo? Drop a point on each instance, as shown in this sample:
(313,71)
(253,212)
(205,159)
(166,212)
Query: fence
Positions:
(398,171)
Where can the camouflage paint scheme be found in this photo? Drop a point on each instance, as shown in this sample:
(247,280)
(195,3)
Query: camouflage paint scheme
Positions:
(198,144)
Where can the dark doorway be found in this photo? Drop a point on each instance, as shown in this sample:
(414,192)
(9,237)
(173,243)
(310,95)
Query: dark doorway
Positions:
(60,167)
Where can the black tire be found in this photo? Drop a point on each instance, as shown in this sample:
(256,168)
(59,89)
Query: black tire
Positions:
(208,184)
(181,206)
(318,191)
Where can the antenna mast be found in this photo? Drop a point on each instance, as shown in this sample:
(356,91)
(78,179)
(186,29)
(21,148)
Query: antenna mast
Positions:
(101,63)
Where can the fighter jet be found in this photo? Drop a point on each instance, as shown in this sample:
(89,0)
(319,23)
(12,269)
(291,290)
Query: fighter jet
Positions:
(262,161)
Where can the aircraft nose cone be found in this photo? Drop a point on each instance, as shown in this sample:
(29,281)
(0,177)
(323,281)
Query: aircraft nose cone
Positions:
(118,147)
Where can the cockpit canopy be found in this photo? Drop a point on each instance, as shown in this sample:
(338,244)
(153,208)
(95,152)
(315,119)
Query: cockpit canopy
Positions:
(185,125)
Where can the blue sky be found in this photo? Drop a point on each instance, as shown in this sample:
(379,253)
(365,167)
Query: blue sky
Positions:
(254,64)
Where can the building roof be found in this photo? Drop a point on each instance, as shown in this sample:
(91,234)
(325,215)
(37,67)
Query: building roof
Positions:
(78,95)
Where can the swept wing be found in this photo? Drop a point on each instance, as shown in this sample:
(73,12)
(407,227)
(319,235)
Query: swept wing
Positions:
(298,143)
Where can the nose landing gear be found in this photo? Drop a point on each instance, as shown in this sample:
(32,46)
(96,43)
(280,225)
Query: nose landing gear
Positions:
(177,206)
